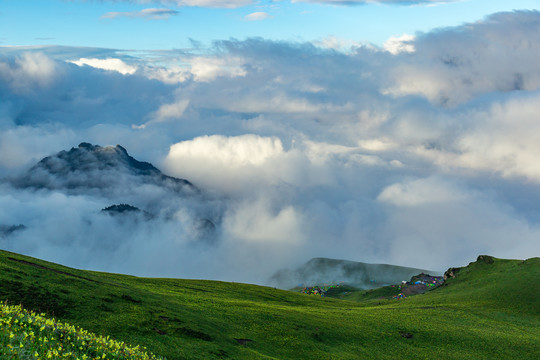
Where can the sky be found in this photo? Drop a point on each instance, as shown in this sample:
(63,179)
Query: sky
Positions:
(400,132)
(154,25)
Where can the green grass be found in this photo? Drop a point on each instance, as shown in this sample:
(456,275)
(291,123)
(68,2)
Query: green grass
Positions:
(489,311)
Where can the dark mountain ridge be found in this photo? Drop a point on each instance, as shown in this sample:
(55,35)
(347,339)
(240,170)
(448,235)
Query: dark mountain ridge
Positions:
(93,166)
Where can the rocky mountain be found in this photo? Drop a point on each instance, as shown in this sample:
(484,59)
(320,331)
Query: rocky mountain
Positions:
(136,190)
(319,271)
(98,168)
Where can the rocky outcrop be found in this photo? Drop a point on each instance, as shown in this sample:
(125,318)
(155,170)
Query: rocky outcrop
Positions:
(485,259)
(451,273)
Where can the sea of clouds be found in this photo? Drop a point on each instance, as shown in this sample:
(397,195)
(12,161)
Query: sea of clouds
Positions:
(422,153)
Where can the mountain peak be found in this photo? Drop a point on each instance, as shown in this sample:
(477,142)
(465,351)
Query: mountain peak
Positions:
(94,166)
(122,149)
(85,145)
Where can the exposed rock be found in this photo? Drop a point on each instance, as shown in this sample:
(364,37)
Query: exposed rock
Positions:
(451,273)
(486,259)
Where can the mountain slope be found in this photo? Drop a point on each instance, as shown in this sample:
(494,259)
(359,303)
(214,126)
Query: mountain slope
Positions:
(491,283)
(196,319)
(319,271)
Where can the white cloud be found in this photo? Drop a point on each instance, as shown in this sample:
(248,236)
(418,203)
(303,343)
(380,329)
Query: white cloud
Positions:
(400,44)
(24,145)
(149,14)
(502,139)
(339,44)
(28,70)
(279,103)
(107,64)
(422,191)
(257,16)
(233,152)
(447,230)
(453,65)
(207,69)
(166,112)
(174,110)
(381,144)
(199,68)
(255,221)
(168,75)
(240,161)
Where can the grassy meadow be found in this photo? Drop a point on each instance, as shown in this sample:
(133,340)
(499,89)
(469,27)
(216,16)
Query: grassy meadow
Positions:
(488,311)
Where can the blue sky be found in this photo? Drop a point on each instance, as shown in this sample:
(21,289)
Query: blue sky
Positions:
(85,23)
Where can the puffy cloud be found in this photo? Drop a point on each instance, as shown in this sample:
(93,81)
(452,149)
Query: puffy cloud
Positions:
(149,14)
(420,192)
(107,64)
(501,139)
(256,222)
(207,69)
(239,160)
(168,75)
(231,152)
(28,71)
(453,65)
(399,44)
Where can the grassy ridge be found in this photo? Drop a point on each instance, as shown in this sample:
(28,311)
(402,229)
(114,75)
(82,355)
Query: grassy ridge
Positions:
(488,311)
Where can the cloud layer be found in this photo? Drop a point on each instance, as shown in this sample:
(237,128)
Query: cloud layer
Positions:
(149,14)
(422,153)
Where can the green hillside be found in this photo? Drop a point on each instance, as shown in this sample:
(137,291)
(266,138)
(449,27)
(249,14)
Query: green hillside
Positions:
(319,271)
(488,311)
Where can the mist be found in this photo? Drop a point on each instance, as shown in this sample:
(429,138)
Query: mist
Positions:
(422,154)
